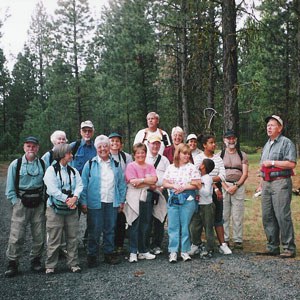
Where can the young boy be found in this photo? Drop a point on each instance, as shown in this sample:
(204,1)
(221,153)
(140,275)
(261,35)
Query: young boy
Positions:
(204,217)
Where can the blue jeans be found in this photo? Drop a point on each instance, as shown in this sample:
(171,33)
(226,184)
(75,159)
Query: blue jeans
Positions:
(139,230)
(179,217)
(101,220)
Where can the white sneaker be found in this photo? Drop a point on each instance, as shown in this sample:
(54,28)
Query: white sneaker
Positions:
(185,256)
(224,249)
(173,257)
(146,255)
(194,250)
(133,257)
(157,250)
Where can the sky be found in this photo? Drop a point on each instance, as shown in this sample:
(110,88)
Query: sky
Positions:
(16,26)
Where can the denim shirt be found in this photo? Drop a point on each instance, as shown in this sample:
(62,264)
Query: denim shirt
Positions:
(31,177)
(90,195)
(84,153)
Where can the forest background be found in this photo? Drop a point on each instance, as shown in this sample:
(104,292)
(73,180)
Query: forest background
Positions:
(174,57)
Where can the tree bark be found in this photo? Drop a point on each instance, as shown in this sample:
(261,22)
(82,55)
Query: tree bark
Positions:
(231,117)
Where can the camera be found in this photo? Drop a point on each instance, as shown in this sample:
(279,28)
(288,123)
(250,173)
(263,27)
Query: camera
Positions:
(67,192)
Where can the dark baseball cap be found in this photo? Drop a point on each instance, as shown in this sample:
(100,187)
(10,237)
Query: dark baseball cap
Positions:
(31,139)
(114,134)
(229,133)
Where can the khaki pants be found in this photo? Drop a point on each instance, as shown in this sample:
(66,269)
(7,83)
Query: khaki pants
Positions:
(21,217)
(57,224)
(233,208)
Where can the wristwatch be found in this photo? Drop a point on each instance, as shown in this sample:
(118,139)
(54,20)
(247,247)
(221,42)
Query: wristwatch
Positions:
(235,183)
(273,163)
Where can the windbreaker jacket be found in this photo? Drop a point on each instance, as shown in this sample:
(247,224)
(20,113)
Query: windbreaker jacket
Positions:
(90,195)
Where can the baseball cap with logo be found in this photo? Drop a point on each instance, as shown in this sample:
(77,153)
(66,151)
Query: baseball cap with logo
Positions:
(277,118)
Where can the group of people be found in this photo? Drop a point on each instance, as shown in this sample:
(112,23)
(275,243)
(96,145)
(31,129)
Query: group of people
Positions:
(193,189)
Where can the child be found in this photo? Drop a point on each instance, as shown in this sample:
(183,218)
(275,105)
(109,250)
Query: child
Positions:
(205,215)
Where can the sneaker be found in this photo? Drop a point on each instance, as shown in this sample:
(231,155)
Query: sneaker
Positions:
(75,269)
(209,254)
(50,271)
(203,252)
(157,250)
(173,257)
(194,250)
(185,256)
(224,249)
(36,265)
(12,269)
(146,255)
(133,257)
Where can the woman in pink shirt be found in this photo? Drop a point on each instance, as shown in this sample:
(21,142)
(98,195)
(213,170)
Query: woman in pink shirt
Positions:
(138,208)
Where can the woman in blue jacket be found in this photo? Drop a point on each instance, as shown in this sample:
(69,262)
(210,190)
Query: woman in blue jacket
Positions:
(104,190)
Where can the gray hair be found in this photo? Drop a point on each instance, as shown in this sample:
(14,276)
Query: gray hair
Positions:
(177,129)
(153,114)
(61,150)
(102,139)
(57,133)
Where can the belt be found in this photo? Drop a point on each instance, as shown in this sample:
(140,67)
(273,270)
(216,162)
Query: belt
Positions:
(277,178)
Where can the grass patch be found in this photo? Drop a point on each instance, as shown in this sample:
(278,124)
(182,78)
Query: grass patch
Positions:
(254,236)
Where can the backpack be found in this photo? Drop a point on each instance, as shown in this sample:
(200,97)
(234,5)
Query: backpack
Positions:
(164,137)
(50,157)
(75,147)
(30,198)
(240,155)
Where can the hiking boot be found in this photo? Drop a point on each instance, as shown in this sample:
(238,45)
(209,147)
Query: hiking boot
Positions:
(157,250)
(36,265)
(92,261)
(111,259)
(12,269)
(75,269)
(238,245)
(287,254)
(50,271)
(268,253)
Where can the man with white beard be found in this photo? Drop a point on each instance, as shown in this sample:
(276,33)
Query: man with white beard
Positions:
(25,191)
(236,168)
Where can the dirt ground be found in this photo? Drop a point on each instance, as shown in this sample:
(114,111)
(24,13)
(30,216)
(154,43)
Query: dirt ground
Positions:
(242,275)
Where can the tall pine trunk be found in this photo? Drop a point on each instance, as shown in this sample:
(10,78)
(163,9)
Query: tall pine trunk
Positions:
(231,117)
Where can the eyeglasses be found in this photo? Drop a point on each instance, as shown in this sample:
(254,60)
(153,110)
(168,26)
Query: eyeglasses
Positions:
(87,130)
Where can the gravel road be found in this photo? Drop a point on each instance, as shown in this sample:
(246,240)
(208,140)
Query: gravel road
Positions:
(238,276)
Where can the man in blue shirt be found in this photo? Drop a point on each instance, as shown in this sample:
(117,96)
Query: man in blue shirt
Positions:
(84,149)
(24,189)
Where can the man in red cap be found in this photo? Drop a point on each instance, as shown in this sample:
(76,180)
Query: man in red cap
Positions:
(278,159)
